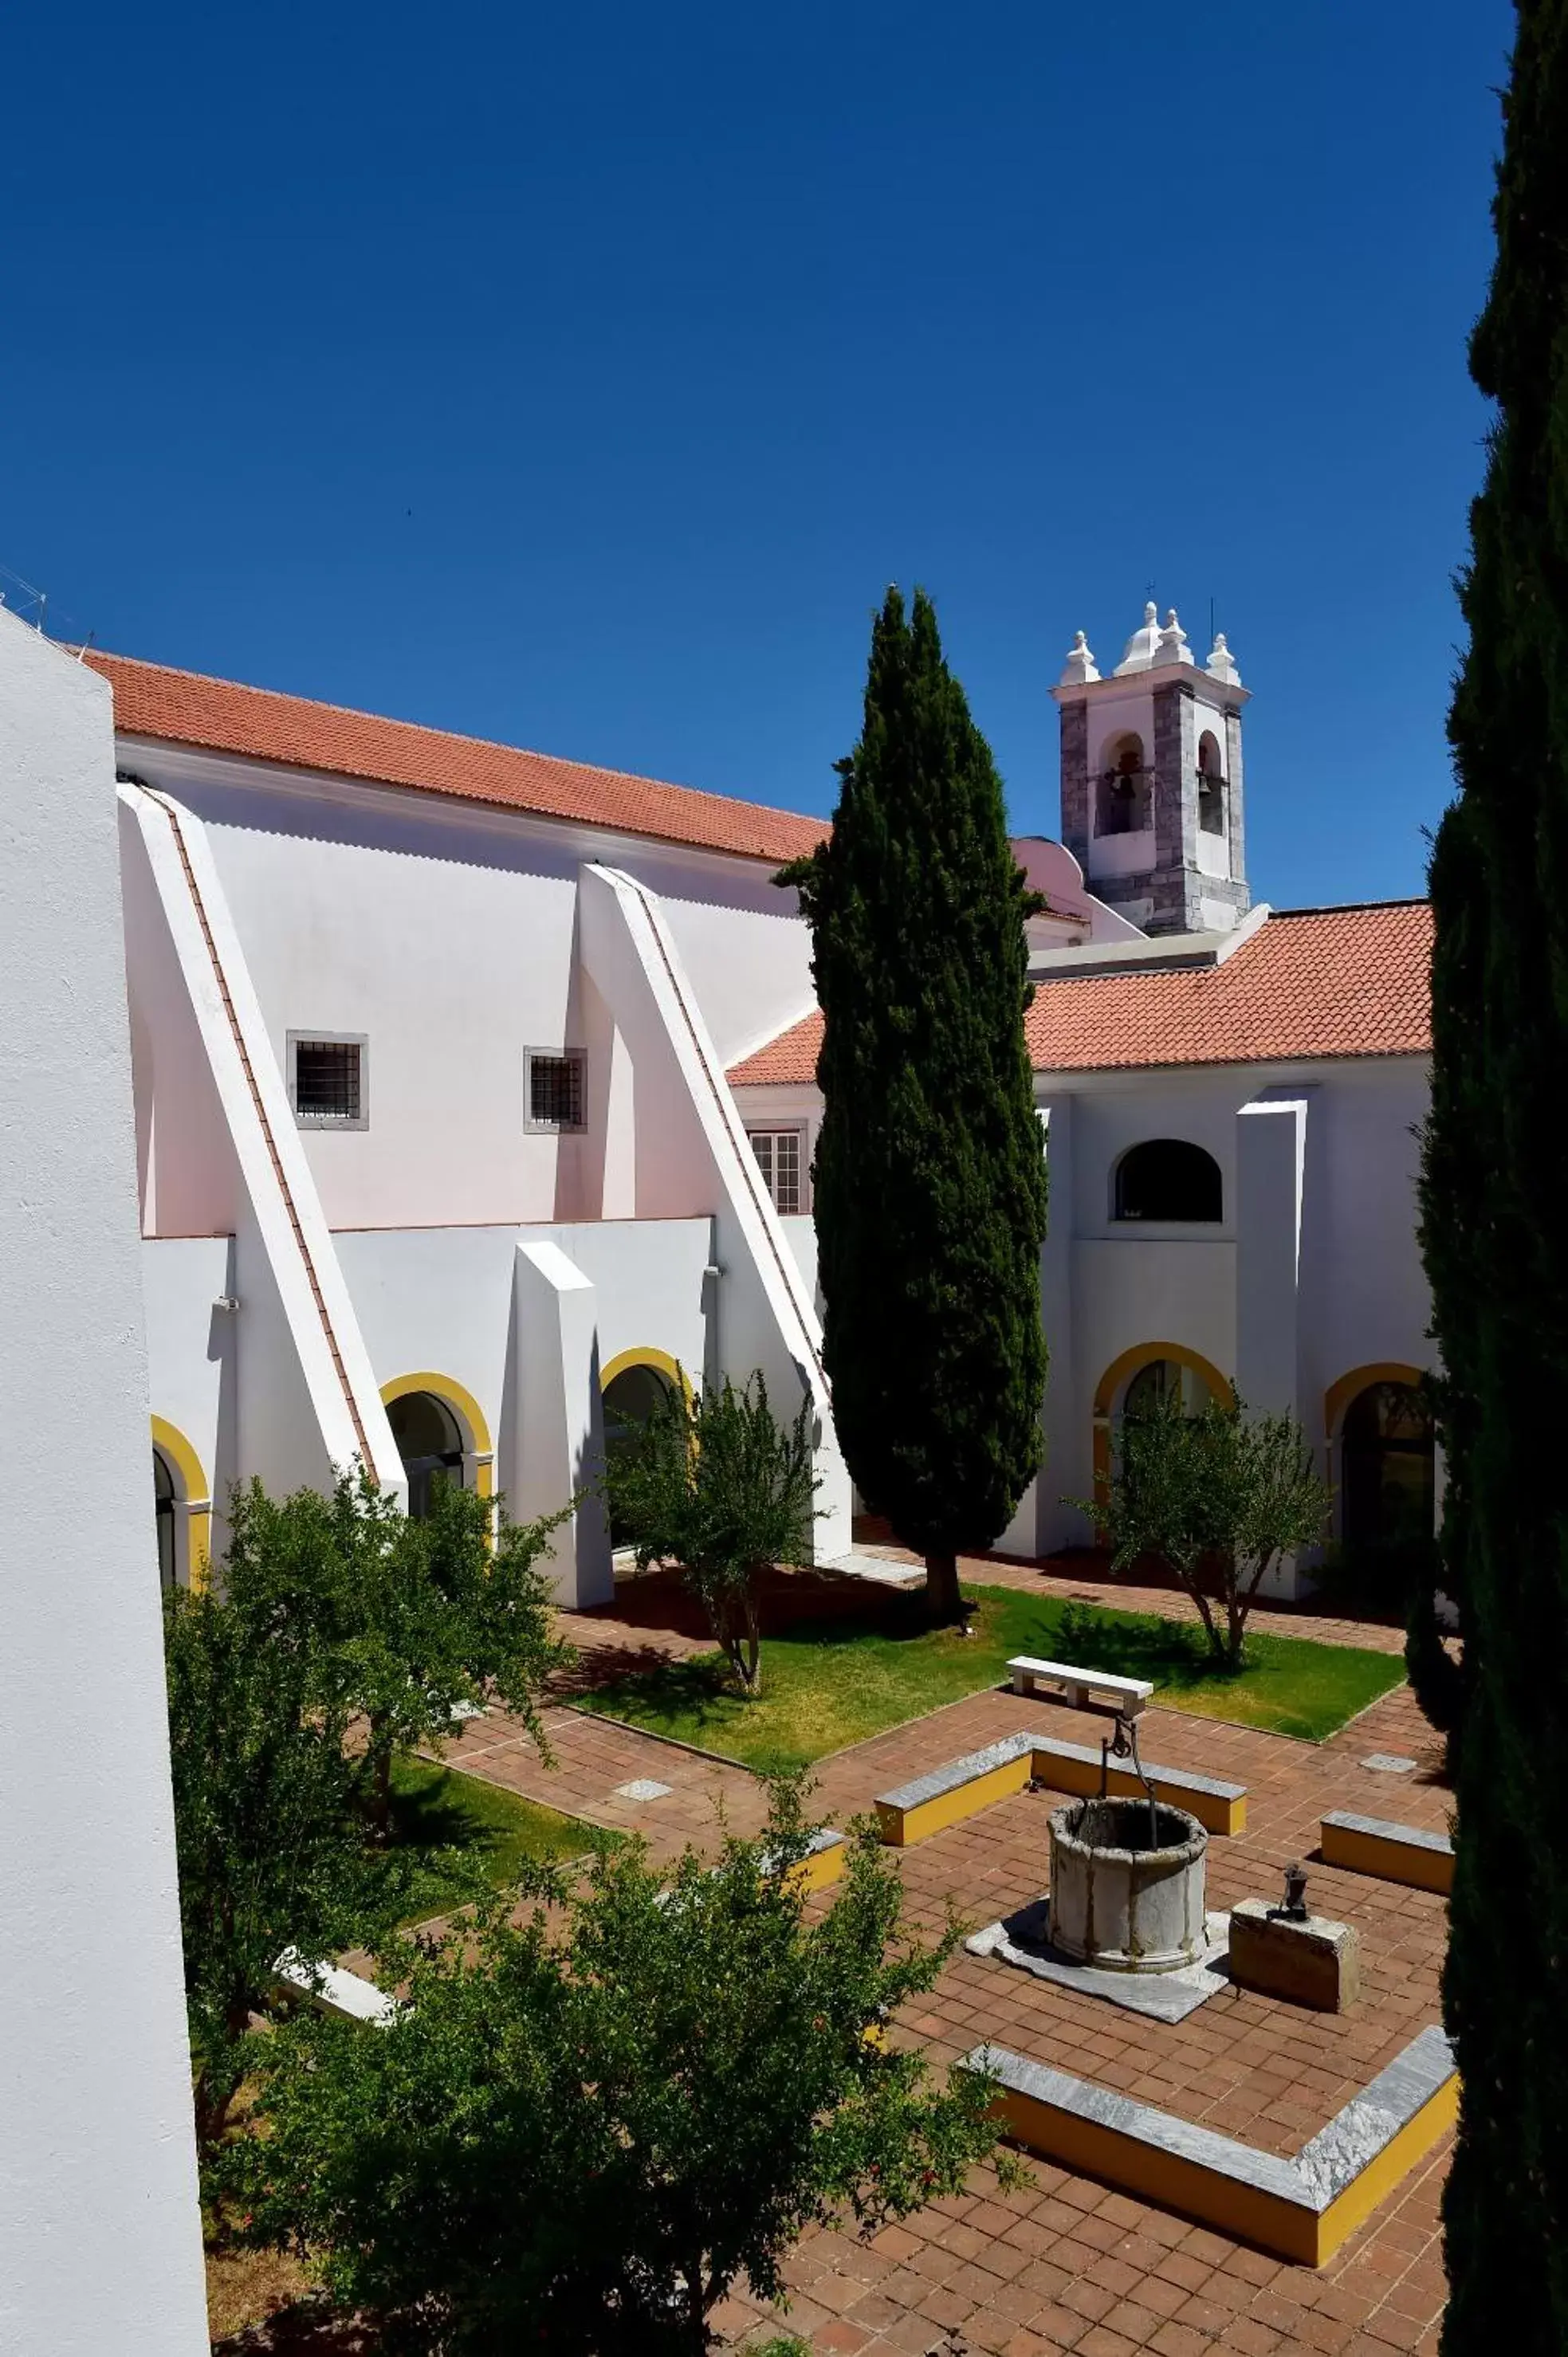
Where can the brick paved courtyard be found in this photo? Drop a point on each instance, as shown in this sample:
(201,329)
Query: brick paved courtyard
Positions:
(1068,2264)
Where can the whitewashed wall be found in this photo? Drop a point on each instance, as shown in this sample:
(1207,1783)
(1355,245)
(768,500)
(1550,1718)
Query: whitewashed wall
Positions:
(447,935)
(99,2231)
(1109,1288)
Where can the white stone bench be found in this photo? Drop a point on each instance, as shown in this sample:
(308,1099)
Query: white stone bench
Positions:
(332,1990)
(1126,1695)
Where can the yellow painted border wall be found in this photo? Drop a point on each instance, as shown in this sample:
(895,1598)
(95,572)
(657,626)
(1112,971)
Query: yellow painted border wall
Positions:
(1388,2168)
(902,1827)
(822,1869)
(1249,2213)
(1387,1858)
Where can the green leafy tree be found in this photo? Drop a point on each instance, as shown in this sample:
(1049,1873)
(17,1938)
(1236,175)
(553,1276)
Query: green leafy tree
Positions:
(271,1848)
(579,2136)
(718,1485)
(929,1173)
(404,1622)
(1497,1254)
(1218,1497)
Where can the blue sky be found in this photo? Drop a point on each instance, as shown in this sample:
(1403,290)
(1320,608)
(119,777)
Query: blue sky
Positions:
(580,377)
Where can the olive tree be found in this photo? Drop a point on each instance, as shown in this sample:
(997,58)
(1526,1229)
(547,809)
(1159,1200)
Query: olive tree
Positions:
(718,1485)
(1217,1496)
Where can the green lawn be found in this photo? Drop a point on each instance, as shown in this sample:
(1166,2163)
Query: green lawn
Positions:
(436,1809)
(827,1683)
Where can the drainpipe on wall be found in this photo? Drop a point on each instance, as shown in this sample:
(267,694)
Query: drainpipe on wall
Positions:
(712,1364)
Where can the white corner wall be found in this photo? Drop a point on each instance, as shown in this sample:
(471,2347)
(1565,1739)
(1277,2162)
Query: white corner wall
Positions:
(99,2231)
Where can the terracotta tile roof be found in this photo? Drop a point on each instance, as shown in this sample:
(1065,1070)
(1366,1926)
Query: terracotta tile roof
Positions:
(183,707)
(1311,982)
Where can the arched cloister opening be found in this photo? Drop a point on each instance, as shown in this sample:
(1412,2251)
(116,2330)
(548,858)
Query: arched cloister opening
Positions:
(441,1435)
(182,1508)
(1384,1449)
(1146,1373)
(633,1384)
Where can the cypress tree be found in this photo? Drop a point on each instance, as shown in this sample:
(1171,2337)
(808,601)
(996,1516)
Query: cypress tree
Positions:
(929,1175)
(1497,1253)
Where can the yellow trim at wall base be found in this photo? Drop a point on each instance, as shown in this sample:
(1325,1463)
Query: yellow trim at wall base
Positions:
(1066,1768)
(1387,1856)
(1089,2149)
(1277,2204)
(1216,1813)
(822,1869)
(901,1827)
(1390,2166)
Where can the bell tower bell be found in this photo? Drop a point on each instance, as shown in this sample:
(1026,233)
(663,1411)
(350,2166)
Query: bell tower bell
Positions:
(1150,780)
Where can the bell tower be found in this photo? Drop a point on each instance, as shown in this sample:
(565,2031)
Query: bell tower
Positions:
(1150,780)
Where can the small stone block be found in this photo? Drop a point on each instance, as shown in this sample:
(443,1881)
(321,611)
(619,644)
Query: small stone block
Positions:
(644,1787)
(1388,1763)
(1310,1962)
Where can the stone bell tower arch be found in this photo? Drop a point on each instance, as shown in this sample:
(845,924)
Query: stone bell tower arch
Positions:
(1151,781)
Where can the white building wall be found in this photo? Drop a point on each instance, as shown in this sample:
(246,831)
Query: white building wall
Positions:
(446,934)
(1358,1294)
(100,2231)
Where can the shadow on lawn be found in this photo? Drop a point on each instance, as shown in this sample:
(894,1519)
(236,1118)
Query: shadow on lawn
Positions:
(1170,1653)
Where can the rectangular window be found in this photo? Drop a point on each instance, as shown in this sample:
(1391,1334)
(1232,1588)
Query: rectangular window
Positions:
(326,1080)
(777,1153)
(555,1094)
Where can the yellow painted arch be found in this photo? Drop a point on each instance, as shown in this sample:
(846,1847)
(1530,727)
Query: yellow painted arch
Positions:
(195,1496)
(1121,1372)
(1340,1395)
(470,1416)
(645,1355)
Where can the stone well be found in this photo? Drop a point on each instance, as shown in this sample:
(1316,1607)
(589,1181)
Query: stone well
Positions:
(1127,1893)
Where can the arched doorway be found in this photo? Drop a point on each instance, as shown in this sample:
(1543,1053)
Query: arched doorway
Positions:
(633,1384)
(164,1495)
(1386,1468)
(1146,1373)
(182,1508)
(430,1442)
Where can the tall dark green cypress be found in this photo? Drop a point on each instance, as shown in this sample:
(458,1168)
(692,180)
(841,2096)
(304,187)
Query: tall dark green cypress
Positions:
(929,1178)
(1495,1232)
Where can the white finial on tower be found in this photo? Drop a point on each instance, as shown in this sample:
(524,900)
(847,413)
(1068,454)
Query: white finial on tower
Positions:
(1172,646)
(1139,651)
(1081,664)
(1221,664)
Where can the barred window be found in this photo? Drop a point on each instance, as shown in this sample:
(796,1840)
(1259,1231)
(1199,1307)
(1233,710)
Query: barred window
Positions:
(555,1094)
(326,1080)
(777,1153)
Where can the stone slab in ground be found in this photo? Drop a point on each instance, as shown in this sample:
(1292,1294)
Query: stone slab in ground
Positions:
(1023,1939)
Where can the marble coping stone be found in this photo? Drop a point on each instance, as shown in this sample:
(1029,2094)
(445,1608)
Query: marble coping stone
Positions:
(953,1773)
(1324,2169)
(826,1837)
(1384,1829)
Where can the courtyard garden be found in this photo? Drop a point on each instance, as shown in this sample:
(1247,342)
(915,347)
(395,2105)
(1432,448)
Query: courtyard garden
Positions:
(835,1681)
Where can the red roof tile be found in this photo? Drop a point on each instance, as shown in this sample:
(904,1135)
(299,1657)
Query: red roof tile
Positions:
(1311,982)
(183,707)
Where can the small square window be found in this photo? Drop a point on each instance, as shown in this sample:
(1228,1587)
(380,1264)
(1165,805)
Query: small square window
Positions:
(555,1093)
(326,1080)
(777,1153)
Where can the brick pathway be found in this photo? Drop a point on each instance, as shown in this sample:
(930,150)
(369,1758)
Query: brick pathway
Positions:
(1067,2263)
